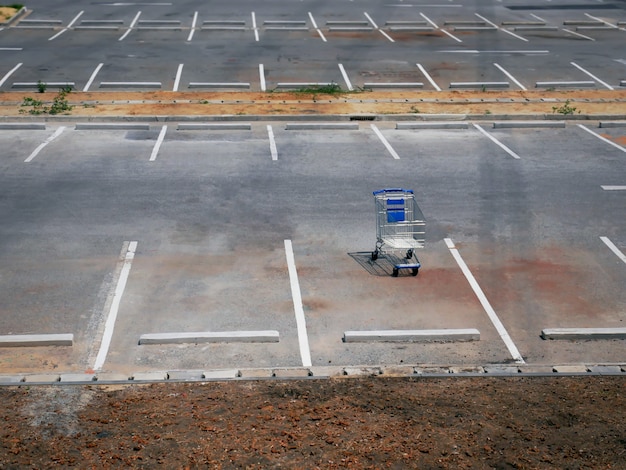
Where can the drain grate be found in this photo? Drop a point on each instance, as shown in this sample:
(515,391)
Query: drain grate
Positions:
(362,118)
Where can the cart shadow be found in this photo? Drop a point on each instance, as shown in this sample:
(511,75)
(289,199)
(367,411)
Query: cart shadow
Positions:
(383,266)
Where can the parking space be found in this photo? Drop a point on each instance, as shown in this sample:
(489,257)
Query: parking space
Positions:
(513,245)
(455,43)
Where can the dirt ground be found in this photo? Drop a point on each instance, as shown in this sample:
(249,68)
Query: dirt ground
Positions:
(164,103)
(397,423)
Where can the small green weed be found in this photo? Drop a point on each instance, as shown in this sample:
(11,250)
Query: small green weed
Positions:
(41,86)
(564,109)
(59,104)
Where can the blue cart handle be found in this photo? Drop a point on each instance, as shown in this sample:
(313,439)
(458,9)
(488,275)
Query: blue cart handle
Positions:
(392,190)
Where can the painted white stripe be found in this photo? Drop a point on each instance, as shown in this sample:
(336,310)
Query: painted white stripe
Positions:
(447,33)
(603,21)
(132,25)
(511,77)
(592,76)
(614,188)
(115,306)
(614,249)
(9,73)
(93,77)
(193,26)
(521,38)
(496,141)
(75,19)
(493,25)
(428,77)
(262,76)
(254,27)
(316,28)
(578,34)
(273,150)
(604,139)
(11,48)
(369,18)
(385,142)
(504,335)
(303,339)
(56,134)
(538,17)
(68,26)
(345,77)
(432,23)
(179,72)
(157,145)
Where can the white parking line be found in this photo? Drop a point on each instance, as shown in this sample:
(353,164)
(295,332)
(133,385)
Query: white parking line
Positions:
(578,34)
(496,141)
(500,29)
(303,339)
(254,28)
(9,73)
(273,150)
(434,25)
(428,77)
(511,77)
(369,18)
(115,306)
(132,25)
(613,188)
(614,249)
(262,76)
(56,134)
(345,77)
(93,76)
(385,142)
(504,335)
(604,139)
(157,145)
(193,26)
(592,76)
(603,21)
(316,28)
(68,26)
(179,72)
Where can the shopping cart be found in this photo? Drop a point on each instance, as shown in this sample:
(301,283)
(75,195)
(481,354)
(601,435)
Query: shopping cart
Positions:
(399,229)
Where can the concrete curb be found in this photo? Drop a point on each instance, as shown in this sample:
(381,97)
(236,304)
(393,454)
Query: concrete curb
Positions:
(16,341)
(318,372)
(22,126)
(322,126)
(213,126)
(412,336)
(583,333)
(112,126)
(527,124)
(431,125)
(263,336)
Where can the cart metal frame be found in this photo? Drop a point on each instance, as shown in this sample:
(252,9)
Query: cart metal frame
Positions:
(400,227)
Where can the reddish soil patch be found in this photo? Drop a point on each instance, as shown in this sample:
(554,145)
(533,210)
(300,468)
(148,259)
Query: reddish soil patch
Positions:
(577,422)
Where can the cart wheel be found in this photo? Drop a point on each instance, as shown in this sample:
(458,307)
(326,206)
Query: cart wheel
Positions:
(374,255)
(395,272)
(414,271)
